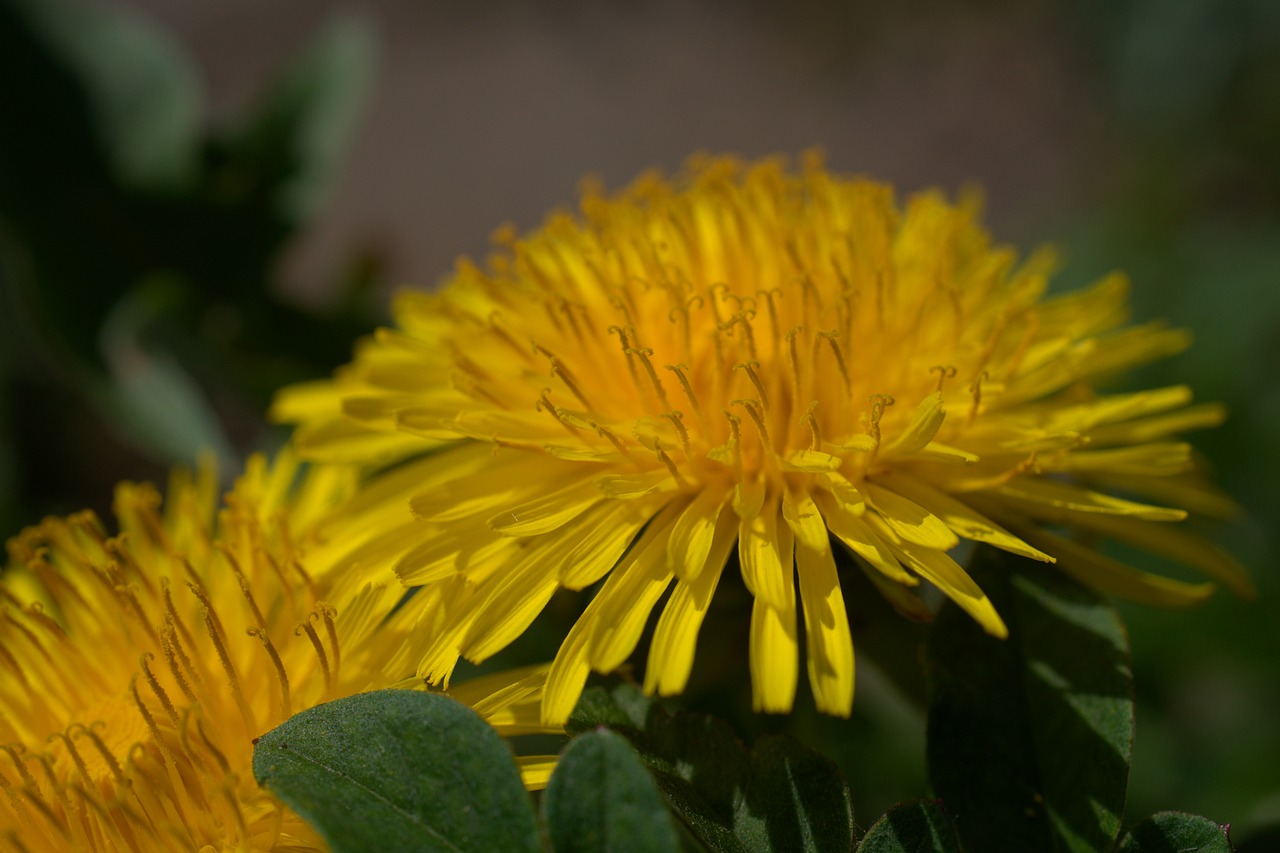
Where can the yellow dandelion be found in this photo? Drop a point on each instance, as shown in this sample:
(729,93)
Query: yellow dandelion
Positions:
(136,669)
(755,361)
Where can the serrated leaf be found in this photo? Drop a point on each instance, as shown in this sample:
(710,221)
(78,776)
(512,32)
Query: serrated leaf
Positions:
(1030,738)
(601,798)
(918,826)
(1176,832)
(398,770)
(780,796)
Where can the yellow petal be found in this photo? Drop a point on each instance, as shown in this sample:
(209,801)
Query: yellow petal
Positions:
(692,535)
(812,461)
(675,638)
(960,517)
(535,770)
(633,588)
(953,582)
(604,534)
(908,519)
(924,425)
(1115,578)
(775,657)
(1187,548)
(828,642)
(1052,493)
(765,554)
(546,511)
(569,670)
(855,533)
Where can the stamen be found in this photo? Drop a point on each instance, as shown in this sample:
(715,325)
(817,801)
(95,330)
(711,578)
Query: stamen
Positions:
(169,644)
(544,404)
(944,371)
(757,414)
(715,300)
(173,617)
(259,619)
(735,440)
(830,338)
(217,754)
(677,418)
(643,354)
(7,616)
(220,649)
(505,336)
(145,661)
(558,369)
(879,402)
(227,789)
(76,758)
(148,719)
(773,312)
(15,668)
(305,627)
(59,792)
(795,361)
(743,319)
(678,370)
(671,467)
(107,757)
(750,368)
(281,676)
(605,433)
(35,612)
(625,337)
(16,751)
(329,614)
(975,388)
(816,442)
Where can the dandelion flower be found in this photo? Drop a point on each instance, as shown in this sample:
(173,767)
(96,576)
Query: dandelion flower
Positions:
(136,669)
(764,362)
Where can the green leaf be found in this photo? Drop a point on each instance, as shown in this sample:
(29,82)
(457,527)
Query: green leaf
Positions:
(148,396)
(919,826)
(398,770)
(780,796)
(1029,738)
(601,798)
(293,144)
(1176,832)
(135,87)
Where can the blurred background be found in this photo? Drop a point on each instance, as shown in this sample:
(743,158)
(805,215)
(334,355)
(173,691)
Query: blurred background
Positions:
(200,202)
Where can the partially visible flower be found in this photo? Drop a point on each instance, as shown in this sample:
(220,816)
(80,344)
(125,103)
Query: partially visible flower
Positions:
(136,669)
(764,362)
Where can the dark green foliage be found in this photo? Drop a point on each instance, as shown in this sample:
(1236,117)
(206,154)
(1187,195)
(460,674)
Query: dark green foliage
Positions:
(601,798)
(1029,738)
(398,770)
(779,796)
(920,826)
(1175,832)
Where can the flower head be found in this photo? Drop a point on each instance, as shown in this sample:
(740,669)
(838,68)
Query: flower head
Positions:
(136,669)
(755,361)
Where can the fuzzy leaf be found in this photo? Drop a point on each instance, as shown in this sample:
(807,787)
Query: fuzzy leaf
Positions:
(385,771)
(919,826)
(1176,832)
(601,798)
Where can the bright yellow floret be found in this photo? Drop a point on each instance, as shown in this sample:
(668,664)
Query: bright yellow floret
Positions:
(753,361)
(136,669)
